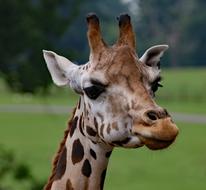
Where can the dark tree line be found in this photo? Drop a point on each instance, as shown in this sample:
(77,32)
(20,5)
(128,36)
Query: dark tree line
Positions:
(179,23)
(28,26)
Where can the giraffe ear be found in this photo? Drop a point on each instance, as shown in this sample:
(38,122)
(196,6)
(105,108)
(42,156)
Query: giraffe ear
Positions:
(60,68)
(152,56)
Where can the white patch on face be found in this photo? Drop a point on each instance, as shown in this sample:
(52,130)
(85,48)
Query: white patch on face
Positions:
(146,133)
(134,142)
(152,73)
(124,98)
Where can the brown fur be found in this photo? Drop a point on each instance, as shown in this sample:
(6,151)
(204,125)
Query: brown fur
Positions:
(55,161)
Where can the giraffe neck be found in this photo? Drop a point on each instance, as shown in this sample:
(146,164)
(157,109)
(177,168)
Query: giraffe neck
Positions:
(82,162)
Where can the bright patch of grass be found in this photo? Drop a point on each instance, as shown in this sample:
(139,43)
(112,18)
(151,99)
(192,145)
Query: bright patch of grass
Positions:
(33,137)
(184,85)
(183,106)
(57,96)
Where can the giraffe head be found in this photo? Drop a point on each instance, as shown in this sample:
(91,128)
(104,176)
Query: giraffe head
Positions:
(117,89)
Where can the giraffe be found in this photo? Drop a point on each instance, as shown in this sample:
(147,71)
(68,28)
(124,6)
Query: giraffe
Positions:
(116,107)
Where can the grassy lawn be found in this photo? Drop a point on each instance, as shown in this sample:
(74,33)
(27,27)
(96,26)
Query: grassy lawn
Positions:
(183,106)
(184,90)
(184,84)
(34,138)
(57,96)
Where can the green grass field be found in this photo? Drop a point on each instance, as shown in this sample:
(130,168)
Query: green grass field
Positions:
(184,90)
(34,138)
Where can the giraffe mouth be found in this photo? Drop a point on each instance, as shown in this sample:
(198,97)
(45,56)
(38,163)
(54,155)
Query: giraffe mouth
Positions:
(155,143)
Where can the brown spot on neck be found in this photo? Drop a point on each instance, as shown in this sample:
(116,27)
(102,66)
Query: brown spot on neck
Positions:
(86,168)
(93,153)
(73,126)
(77,151)
(61,164)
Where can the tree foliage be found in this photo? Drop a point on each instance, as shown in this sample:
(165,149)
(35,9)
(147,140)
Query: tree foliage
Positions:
(15,174)
(27,27)
(178,23)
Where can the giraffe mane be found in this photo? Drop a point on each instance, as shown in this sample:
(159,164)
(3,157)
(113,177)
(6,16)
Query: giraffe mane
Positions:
(57,156)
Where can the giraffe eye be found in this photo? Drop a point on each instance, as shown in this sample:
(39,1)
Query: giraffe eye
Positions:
(94,91)
(156,84)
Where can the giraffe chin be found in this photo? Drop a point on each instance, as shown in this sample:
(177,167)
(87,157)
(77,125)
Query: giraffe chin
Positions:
(155,144)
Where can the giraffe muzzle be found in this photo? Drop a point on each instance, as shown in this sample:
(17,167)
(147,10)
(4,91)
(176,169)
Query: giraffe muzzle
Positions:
(159,135)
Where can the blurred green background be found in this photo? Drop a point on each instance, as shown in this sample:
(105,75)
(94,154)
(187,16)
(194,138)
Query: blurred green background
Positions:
(34,113)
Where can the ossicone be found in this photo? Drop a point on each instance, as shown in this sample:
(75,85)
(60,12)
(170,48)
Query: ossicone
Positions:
(94,35)
(126,33)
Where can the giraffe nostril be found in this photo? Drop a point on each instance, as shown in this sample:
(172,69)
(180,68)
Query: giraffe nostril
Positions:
(152,115)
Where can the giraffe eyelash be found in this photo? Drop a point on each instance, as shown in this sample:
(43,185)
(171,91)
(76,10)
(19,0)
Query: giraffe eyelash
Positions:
(156,84)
